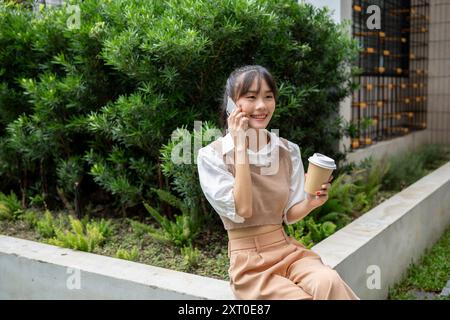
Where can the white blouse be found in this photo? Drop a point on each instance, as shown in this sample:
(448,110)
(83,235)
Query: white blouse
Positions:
(217,182)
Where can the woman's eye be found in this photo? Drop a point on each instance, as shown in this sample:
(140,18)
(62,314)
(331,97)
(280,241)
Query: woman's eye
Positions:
(251,97)
(269,97)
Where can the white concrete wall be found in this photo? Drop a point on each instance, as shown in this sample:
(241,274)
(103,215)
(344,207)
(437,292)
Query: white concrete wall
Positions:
(32,270)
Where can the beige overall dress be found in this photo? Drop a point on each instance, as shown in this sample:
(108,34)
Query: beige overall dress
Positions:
(274,265)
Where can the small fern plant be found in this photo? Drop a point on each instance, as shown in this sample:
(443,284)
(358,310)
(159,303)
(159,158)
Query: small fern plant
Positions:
(180,232)
(131,255)
(82,237)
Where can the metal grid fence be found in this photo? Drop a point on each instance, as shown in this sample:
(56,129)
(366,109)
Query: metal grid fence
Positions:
(391,99)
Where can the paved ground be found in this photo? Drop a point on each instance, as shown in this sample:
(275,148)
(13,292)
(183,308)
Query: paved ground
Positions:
(423,295)
(446,290)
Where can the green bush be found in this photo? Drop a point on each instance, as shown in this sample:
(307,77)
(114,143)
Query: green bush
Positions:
(58,79)
(408,167)
(85,111)
(433,154)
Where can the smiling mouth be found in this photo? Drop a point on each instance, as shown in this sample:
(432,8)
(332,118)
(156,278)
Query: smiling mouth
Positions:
(259,117)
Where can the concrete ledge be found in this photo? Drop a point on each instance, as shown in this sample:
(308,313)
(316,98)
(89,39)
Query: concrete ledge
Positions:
(387,239)
(32,270)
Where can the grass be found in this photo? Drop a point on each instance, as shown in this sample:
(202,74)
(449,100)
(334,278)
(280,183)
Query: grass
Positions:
(429,275)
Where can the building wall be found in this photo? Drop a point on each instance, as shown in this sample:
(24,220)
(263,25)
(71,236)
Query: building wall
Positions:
(438,119)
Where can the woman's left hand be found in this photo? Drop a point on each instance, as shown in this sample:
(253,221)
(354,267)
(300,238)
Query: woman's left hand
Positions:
(321,196)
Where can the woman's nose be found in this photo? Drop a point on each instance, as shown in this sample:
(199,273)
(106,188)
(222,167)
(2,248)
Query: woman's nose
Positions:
(260,105)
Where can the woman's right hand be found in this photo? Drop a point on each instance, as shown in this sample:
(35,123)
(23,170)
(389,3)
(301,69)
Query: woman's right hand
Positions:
(237,126)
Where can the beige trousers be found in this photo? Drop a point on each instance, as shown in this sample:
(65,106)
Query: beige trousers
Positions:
(276,266)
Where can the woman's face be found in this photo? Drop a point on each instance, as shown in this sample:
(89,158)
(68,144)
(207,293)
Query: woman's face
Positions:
(259,107)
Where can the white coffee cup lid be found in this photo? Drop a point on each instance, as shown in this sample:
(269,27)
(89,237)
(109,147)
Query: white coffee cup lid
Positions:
(322,161)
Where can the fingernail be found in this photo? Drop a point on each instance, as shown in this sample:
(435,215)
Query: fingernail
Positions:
(318,193)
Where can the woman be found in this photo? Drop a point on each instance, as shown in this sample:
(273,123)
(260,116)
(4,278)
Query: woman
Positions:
(253,201)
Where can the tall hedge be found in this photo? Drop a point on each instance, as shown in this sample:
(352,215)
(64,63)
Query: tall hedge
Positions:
(85,111)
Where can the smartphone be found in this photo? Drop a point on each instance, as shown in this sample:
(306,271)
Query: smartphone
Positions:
(230,106)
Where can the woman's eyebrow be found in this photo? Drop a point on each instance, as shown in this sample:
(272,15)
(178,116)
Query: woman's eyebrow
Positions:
(253,91)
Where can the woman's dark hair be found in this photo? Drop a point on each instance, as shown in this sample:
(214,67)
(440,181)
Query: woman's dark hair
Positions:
(236,90)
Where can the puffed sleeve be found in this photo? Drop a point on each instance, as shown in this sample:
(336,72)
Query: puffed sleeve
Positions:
(217,183)
(296,190)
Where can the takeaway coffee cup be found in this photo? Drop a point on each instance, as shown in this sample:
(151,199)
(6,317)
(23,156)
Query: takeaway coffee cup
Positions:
(319,171)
